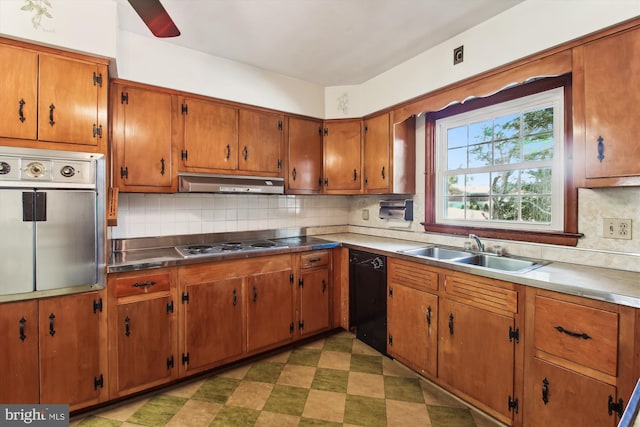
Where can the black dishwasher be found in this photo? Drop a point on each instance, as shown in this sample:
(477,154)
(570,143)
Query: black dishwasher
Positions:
(368,298)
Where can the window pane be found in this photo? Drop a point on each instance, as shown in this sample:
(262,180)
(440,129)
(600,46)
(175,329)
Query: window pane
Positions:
(504,182)
(504,208)
(507,127)
(536,181)
(454,207)
(455,185)
(477,184)
(536,209)
(477,207)
(507,152)
(480,155)
(538,121)
(457,158)
(480,132)
(538,147)
(457,137)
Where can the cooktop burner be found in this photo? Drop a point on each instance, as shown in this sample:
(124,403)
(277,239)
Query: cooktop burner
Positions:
(189,251)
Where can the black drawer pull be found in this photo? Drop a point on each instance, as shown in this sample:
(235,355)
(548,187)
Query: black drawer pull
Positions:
(127,327)
(144,285)
(22,323)
(312,260)
(52,330)
(573,334)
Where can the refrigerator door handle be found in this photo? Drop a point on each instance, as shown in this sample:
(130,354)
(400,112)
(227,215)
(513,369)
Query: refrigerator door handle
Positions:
(41,206)
(28,208)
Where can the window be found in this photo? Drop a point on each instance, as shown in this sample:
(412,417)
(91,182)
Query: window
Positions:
(501,166)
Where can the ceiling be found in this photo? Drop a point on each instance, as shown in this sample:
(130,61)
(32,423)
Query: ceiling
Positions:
(326,42)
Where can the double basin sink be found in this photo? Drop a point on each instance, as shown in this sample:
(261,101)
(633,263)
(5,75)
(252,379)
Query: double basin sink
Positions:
(490,261)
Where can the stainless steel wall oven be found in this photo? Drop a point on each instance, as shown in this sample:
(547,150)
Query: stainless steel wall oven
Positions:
(52,211)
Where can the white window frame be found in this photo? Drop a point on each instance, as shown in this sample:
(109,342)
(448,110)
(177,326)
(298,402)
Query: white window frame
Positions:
(551,98)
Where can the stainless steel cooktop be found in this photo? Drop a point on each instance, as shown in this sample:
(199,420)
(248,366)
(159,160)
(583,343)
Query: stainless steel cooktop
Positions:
(203,249)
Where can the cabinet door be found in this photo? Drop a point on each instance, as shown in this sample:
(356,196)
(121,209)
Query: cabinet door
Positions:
(377,137)
(611,66)
(212,323)
(475,354)
(314,301)
(305,156)
(412,326)
(71,347)
(68,100)
(260,142)
(145,354)
(210,135)
(342,157)
(555,396)
(19,86)
(143,151)
(19,355)
(269,309)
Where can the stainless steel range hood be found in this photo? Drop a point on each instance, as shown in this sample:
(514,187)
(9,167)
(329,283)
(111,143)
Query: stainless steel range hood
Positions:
(207,183)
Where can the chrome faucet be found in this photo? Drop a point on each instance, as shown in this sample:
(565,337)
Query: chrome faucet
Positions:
(478,242)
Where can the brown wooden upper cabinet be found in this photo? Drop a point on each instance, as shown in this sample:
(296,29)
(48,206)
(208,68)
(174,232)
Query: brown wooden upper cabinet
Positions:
(389,155)
(342,146)
(304,156)
(611,97)
(210,136)
(142,153)
(52,98)
(260,142)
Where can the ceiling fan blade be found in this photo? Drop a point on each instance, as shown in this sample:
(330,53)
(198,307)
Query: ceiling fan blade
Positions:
(155,17)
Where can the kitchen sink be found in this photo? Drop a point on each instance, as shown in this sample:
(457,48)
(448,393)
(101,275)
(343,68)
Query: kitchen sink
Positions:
(436,253)
(502,263)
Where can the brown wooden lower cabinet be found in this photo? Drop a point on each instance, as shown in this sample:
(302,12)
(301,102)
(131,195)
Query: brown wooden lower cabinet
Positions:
(314,290)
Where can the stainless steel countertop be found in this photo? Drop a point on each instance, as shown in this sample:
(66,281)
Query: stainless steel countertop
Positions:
(616,286)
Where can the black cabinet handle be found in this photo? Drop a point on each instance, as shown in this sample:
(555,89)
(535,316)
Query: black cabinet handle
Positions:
(600,148)
(355,175)
(294,174)
(52,330)
(22,323)
(324,286)
(228,152)
(21,110)
(573,334)
(144,285)
(51,108)
(235,297)
(245,152)
(255,294)
(382,173)
(545,391)
(429,315)
(162,166)
(451,323)
(127,328)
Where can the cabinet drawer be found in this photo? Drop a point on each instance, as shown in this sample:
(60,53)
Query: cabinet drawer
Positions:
(314,259)
(584,335)
(482,295)
(142,284)
(411,274)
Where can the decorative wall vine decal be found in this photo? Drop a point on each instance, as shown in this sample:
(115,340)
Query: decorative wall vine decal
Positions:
(39,8)
(343,103)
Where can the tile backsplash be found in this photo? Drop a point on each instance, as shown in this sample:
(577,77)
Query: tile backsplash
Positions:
(149,215)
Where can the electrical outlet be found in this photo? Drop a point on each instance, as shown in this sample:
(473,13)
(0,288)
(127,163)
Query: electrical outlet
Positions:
(365,214)
(458,55)
(616,228)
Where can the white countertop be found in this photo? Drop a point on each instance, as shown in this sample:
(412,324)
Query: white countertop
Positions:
(617,286)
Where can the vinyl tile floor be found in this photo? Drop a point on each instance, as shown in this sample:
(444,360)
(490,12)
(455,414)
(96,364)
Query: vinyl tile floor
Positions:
(333,381)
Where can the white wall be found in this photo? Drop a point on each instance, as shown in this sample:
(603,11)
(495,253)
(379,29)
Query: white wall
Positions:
(527,28)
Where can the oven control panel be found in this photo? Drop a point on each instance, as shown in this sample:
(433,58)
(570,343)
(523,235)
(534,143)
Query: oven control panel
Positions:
(25,170)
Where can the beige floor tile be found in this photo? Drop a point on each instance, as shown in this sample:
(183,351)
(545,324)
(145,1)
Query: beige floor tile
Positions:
(434,395)
(335,360)
(361,348)
(236,373)
(402,414)
(195,413)
(297,376)
(186,390)
(122,412)
(325,405)
(271,419)
(251,395)
(392,368)
(314,345)
(363,384)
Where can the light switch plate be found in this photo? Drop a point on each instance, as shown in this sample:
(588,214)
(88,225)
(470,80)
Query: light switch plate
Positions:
(365,214)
